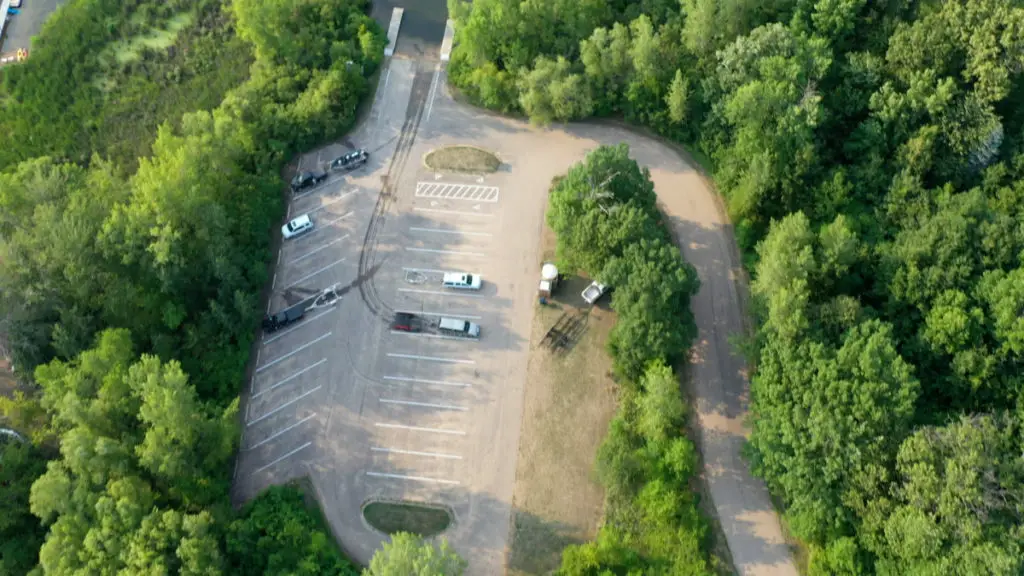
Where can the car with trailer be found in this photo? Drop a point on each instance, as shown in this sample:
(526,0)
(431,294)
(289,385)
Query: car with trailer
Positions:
(292,314)
(307,179)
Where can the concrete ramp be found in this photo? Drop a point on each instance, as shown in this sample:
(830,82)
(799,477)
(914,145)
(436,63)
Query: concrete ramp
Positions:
(396,23)
(446,44)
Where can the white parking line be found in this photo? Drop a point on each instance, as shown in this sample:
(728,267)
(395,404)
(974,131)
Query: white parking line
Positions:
(274,283)
(455,252)
(456,212)
(289,379)
(433,91)
(311,252)
(427,270)
(419,429)
(432,359)
(282,406)
(326,225)
(423,381)
(440,231)
(422,313)
(413,478)
(294,328)
(459,294)
(310,275)
(297,350)
(452,191)
(276,434)
(423,404)
(415,453)
(300,448)
(422,335)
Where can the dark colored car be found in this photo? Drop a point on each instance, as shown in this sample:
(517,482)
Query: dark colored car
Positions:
(305,180)
(350,161)
(406,322)
(278,320)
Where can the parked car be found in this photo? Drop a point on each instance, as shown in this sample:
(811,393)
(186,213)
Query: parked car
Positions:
(15,4)
(351,160)
(298,225)
(594,292)
(461,280)
(278,320)
(406,322)
(458,327)
(307,179)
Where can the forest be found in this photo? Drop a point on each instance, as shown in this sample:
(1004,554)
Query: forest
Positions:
(870,157)
(139,186)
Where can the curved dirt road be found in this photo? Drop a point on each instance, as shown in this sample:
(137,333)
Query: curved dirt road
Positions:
(718,376)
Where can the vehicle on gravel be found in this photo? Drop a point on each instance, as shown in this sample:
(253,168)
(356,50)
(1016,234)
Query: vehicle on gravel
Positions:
(307,179)
(461,280)
(298,225)
(406,322)
(594,292)
(278,320)
(351,160)
(458,327)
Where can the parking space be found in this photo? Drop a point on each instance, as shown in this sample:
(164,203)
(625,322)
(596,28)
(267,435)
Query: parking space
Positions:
(296,369)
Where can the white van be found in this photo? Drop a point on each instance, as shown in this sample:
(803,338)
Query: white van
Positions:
(458,327)
(461,280)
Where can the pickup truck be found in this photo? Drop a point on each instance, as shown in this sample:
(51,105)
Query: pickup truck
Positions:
(290,315)
(594,292)
(458,327)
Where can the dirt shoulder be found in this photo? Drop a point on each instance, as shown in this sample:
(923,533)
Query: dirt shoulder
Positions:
(569,400)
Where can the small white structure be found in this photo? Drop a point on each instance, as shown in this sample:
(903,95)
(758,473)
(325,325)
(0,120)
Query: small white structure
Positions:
(548,280)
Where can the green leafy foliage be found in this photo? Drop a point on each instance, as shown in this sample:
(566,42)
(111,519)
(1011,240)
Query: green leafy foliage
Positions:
(277,534)
(137,195)
(408,554)
(871,155)
(651,521)
(607,222)
(21,534)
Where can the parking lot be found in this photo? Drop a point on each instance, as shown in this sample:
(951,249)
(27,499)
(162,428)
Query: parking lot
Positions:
(369,412)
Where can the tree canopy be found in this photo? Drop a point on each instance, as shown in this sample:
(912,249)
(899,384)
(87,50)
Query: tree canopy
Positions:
(870,155)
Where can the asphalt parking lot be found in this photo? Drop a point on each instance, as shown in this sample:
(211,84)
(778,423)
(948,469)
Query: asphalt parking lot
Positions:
(27,23)
(369,413)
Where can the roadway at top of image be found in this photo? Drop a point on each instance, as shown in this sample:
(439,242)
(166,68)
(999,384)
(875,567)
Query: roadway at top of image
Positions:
(370,411)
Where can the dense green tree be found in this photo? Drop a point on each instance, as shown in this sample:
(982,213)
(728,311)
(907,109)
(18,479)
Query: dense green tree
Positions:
(139,456)
(20,532)
(407,554)
(959,503)
(277,534)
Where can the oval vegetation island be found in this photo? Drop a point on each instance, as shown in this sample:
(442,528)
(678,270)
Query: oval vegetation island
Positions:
(421,519)
(465,159)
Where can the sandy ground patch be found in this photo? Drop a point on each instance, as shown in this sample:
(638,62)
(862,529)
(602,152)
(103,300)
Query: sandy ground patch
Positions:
(570,398)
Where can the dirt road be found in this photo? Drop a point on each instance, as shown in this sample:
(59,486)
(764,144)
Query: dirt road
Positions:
(719,379)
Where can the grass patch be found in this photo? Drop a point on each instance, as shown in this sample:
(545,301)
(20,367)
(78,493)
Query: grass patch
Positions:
(466,159)
(421,519)
(569,400)
(157,38)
